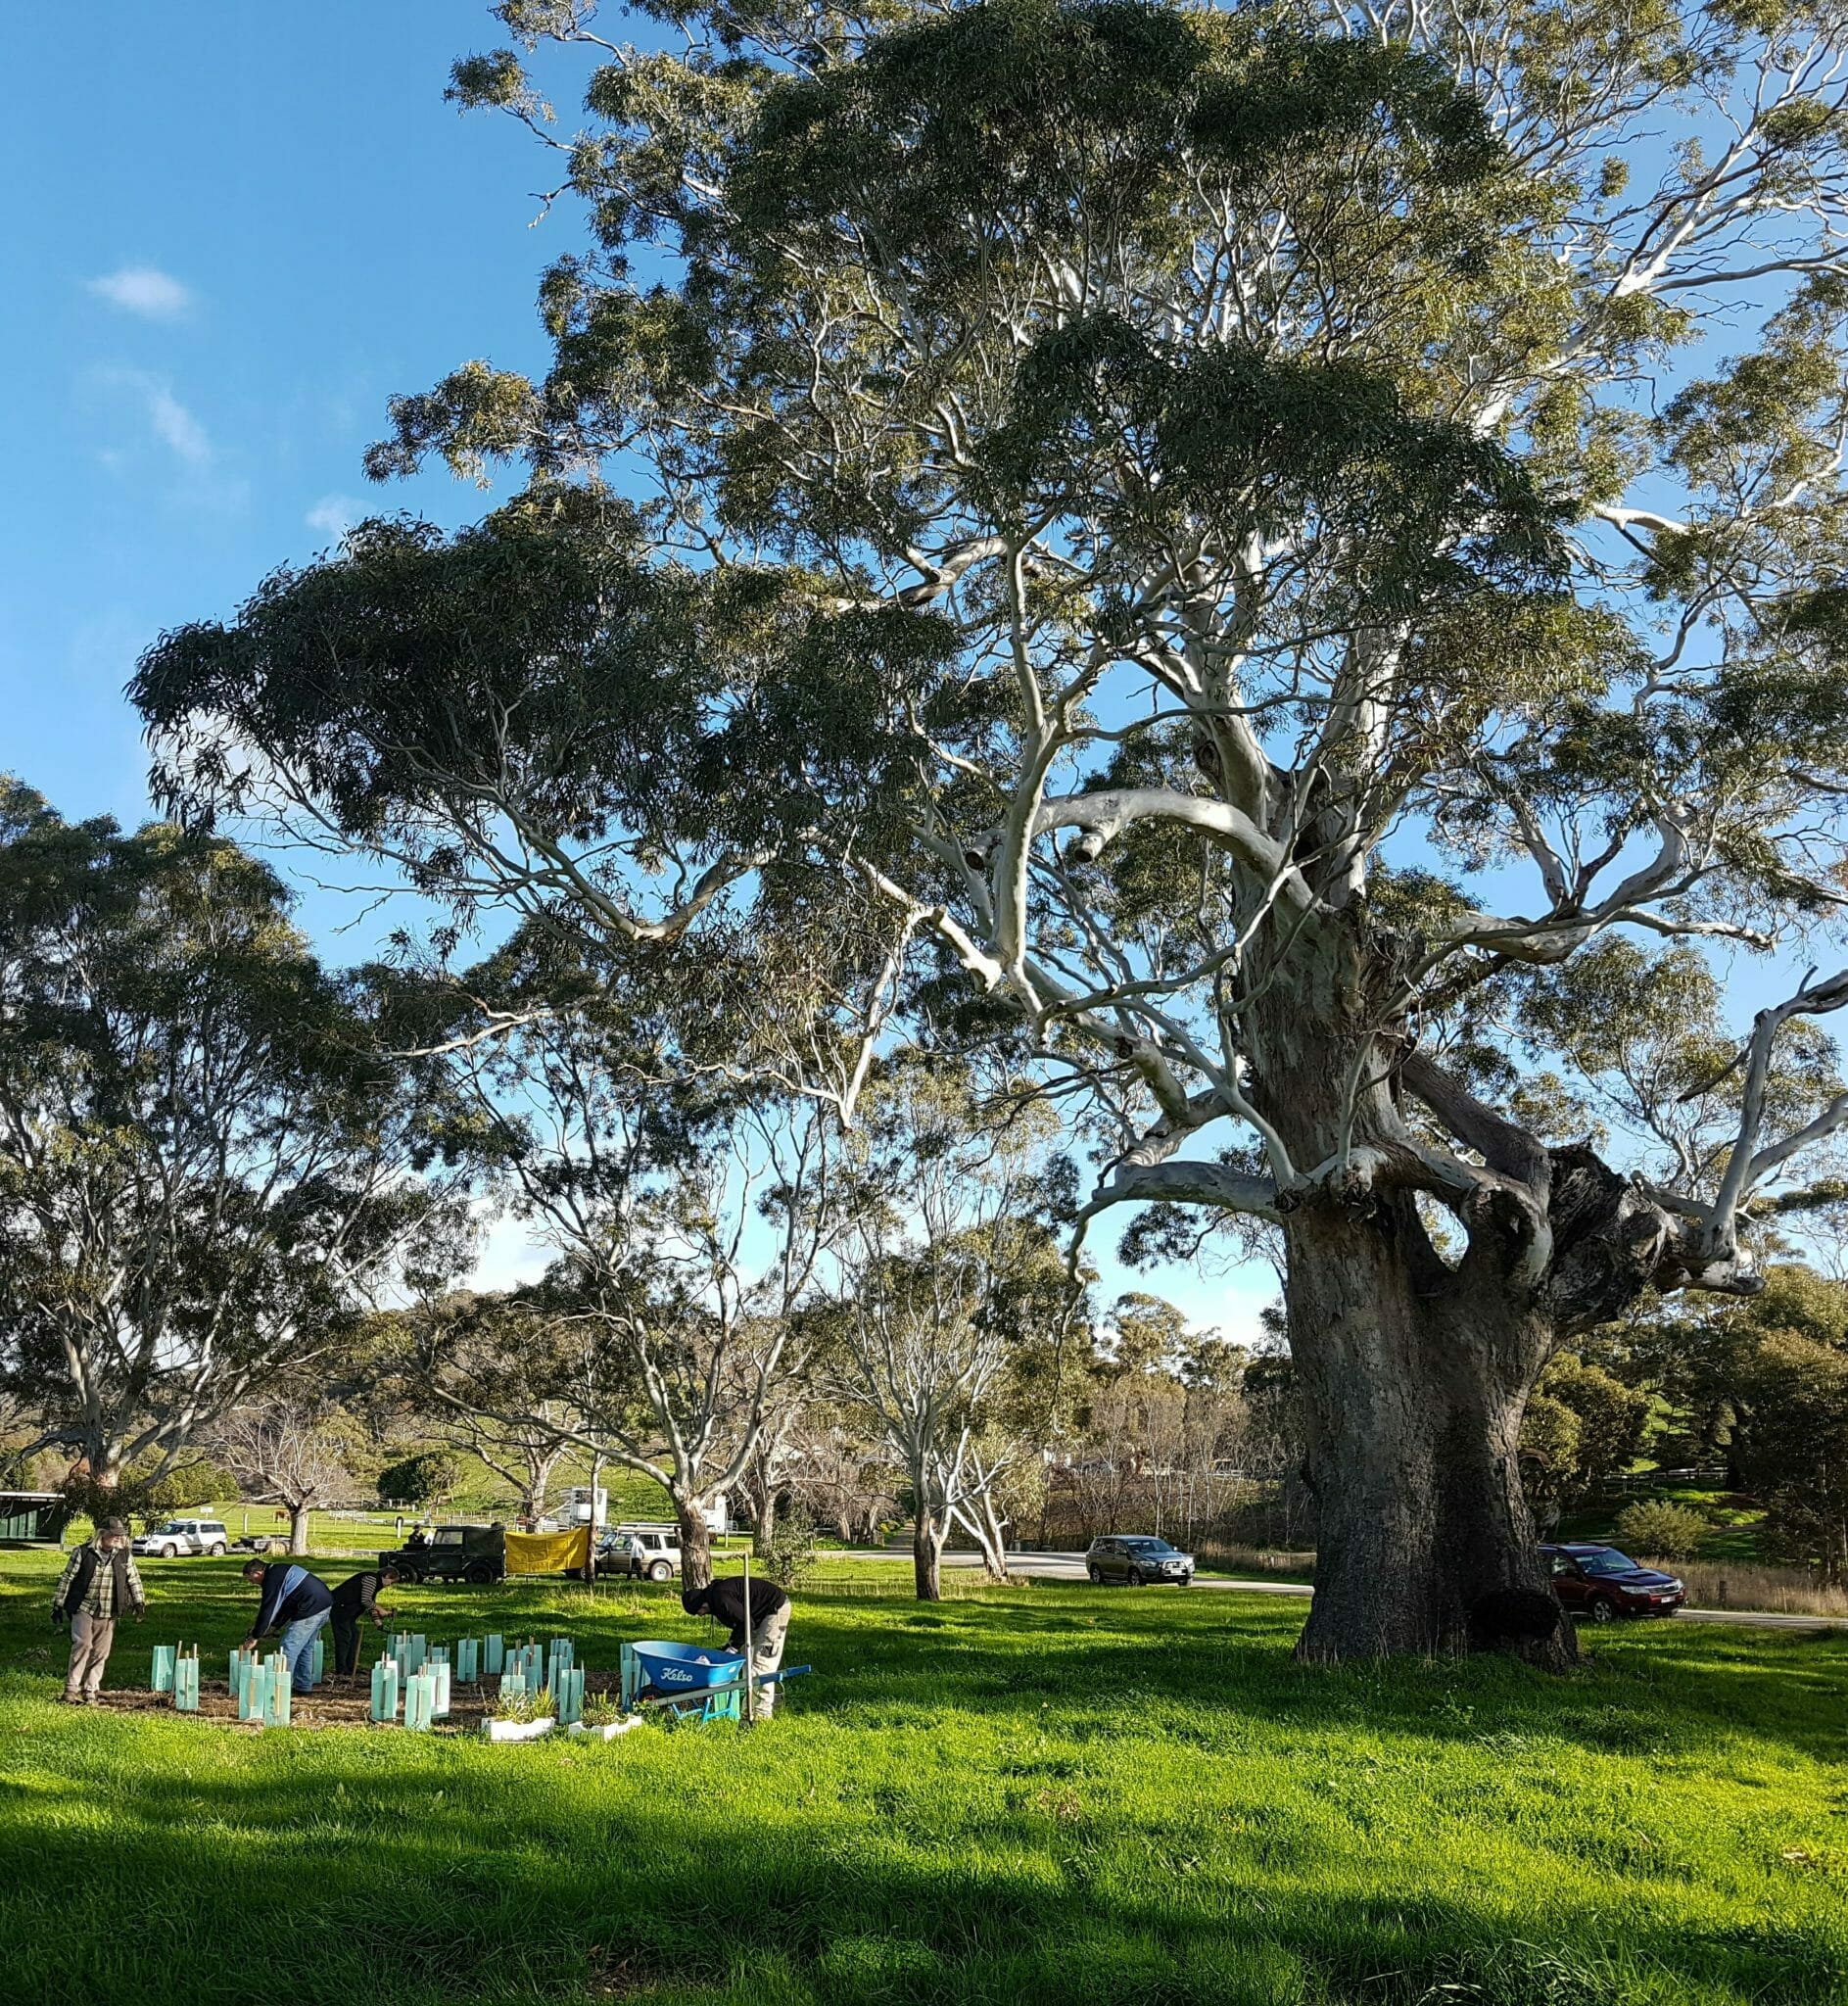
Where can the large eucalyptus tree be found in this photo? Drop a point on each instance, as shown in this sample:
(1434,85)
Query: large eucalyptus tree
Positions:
(209,1164)
(1220,523)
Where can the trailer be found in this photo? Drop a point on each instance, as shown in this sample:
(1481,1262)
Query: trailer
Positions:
(34,1518)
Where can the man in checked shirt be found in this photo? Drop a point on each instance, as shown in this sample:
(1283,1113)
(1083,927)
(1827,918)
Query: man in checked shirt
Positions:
(100,1583)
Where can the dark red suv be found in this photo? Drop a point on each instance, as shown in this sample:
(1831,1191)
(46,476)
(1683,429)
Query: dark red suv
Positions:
(1603,1584)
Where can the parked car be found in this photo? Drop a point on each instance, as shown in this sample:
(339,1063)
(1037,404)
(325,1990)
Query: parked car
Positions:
(1603,1584)
(476,1553)
(1137,1559)
(643,1552)
(183,1536)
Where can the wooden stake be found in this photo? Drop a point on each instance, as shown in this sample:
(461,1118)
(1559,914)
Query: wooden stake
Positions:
(751,1653)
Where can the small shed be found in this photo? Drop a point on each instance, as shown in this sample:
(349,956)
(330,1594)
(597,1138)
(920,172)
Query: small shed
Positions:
(33,1518)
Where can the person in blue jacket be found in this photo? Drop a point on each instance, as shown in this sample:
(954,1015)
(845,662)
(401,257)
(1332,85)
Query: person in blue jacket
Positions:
(296,1604)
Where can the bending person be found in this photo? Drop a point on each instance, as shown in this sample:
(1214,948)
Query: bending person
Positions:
(724,1600)
(295,1605)
(355,1596)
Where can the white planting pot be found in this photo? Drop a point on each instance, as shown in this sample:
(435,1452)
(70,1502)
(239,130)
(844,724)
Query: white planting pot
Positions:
(516,1730)
(606,1731)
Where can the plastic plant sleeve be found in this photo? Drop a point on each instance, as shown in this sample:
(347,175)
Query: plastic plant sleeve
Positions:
(385,1691)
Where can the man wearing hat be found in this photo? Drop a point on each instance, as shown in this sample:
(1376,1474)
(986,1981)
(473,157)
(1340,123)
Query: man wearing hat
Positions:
(100,1583)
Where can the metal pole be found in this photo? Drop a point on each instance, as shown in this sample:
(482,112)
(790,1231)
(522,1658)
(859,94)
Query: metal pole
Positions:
(750,1653)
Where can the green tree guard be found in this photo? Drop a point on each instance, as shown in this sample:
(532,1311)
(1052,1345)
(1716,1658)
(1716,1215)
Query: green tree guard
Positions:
(385,1690)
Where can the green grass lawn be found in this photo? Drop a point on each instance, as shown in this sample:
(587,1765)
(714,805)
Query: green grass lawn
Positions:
(1049,1795)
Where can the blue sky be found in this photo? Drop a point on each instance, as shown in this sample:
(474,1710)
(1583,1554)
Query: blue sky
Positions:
(231,233)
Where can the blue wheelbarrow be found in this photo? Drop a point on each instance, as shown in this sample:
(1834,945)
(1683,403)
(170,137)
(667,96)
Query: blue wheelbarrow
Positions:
(691,1680)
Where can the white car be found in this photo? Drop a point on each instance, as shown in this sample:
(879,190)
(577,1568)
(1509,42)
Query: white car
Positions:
(184,1536)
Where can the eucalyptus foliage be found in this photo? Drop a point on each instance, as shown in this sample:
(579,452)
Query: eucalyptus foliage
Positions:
(209,1163)
(1224,539)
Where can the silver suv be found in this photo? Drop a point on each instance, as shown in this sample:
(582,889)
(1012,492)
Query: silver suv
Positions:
(184,1536)
(652,1552)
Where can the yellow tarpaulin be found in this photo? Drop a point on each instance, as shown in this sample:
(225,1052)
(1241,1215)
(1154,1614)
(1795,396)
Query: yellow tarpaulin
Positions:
(548,1553)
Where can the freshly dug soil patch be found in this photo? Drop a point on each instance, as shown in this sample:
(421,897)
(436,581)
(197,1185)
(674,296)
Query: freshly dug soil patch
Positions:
(335,1704)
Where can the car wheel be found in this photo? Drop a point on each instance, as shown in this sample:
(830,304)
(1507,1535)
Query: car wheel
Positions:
(1134,1577)
(169,1553)
(1096,1576)
(218,1552)
(412,1575)
(480,1573)
(660,1571)
(1602,1609)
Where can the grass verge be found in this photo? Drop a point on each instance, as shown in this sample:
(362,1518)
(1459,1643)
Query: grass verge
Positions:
(1027,1796)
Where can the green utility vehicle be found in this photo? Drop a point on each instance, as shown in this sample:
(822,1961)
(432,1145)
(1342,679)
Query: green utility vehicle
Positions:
(475,1553)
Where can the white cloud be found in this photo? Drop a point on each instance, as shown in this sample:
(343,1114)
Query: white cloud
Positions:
(507,1256)
(143,290)
(176,426)
(334,516)
(144,415)
(168,419)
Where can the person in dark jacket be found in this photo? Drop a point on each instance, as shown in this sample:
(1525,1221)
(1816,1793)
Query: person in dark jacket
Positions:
(355,1596)
(724,1600)
(293,1603)
(100,1585)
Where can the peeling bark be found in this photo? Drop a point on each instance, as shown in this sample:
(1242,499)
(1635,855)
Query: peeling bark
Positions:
(927,1555)
(1415,1375)
(696,1544)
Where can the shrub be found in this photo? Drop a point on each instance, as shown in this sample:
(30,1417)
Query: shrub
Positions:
(1655,1527)
(791,1549)
(420,1479)
(524,1706)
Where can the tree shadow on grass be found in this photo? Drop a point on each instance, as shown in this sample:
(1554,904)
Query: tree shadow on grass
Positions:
(1656,1689)
(224,1886)
(960,1809)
